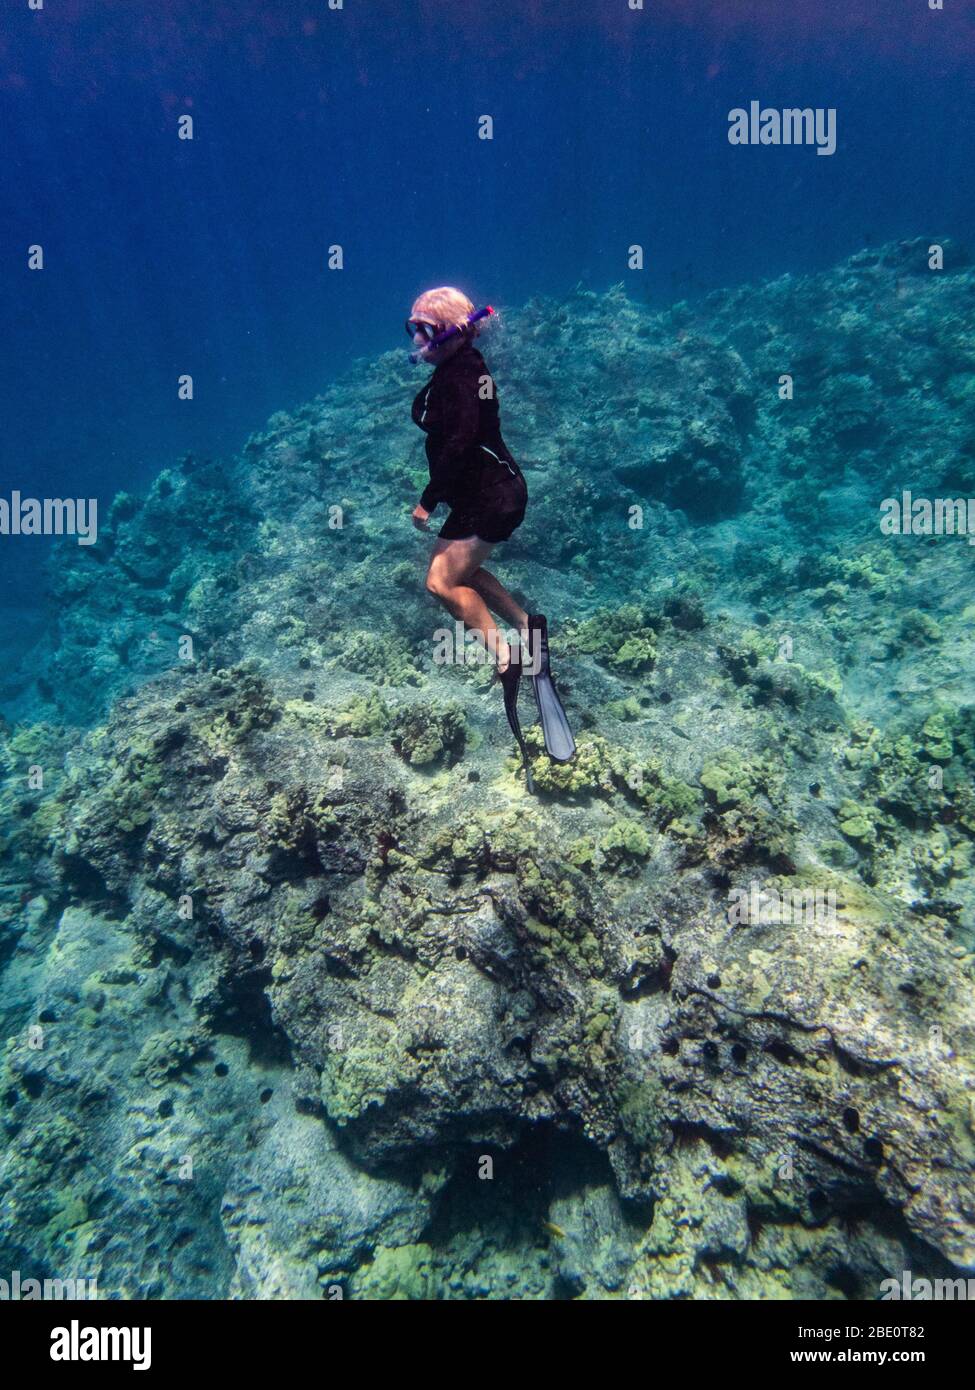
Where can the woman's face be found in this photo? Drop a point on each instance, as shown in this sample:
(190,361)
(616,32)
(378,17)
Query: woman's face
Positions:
(420,339)
(438,354)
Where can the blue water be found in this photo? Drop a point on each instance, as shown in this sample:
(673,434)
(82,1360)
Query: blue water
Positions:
(359,126)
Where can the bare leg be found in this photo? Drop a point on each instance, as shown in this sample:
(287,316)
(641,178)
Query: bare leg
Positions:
(450,578)
(497,598)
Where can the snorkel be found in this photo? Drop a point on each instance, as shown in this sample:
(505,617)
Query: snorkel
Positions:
(421,354)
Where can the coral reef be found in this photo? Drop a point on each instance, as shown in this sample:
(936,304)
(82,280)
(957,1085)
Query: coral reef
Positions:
(305,996)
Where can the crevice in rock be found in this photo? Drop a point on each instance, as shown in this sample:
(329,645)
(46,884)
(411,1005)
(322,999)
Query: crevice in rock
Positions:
(244,1011)
(87,887)
(511,1208)
(686,1133)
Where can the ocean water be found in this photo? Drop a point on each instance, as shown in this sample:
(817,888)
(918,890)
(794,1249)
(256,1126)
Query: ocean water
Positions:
(303,993)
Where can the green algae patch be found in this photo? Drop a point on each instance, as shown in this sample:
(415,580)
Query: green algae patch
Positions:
(937,737)
(405,1272)
(361,716)
(590,773)
(624,844)
(739,827)
(730,779)
(488,840)
(552,897)
(619,849)
(666,800)
(425,733)
(363,1072)
(32,806)
(122,790)
(238,702)
(640,1104)
(626,710)
(917,626)
(297,817)
(857,822)
(165,1056)
(383,659)
(558,916)
(72,1212)
(623,638)
(763,666)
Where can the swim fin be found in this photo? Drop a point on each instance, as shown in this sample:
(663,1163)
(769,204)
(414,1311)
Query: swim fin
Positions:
(510,680)
(559,743)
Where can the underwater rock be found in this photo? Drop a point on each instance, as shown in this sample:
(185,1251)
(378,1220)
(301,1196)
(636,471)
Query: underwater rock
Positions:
(304,953)
(300,1218)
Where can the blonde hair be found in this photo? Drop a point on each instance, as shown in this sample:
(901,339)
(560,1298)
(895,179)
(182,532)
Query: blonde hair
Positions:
(445,305)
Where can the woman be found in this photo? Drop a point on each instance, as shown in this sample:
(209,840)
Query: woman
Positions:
(471,470)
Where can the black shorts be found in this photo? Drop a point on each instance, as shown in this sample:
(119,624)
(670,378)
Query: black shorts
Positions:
(491,516)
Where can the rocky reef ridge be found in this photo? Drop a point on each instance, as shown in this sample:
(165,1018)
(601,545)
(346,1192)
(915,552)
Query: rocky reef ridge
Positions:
(303,992)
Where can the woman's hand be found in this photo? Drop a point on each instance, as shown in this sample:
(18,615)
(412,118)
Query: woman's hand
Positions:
(420,517)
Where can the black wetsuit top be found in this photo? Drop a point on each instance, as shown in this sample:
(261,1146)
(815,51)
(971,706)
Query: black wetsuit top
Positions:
(471,467)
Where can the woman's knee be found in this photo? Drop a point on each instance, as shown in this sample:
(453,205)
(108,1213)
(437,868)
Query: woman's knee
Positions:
(437,582)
